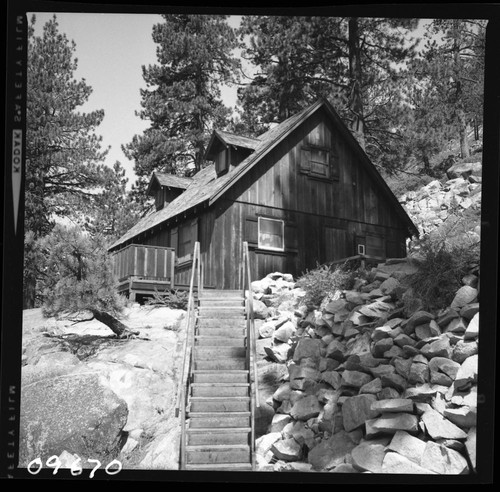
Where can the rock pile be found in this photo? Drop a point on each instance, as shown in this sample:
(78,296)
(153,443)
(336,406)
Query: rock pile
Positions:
(432,205)
(370,387)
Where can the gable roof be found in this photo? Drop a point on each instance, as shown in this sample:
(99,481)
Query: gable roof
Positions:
(170,180)
(228,138)
(205,186)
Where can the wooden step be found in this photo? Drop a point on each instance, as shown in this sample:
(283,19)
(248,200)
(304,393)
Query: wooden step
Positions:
(220,377)
(204,436)
(225,420)
(219,466)
(221,313)
(220,389)
(230,302)
(221,453)
(214,352)
(218,404)
(218,293)
(220,364)
(220,324)
(219,341)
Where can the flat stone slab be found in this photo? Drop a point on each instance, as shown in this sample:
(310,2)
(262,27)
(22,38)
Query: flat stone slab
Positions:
(397,464)
(390,423)
(408,446)
(356,410)
(443,460)
(368,456)
(393,405)
(439,427)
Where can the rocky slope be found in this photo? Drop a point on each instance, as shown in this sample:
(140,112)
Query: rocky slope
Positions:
(109,398)
(365,386)
(451,205)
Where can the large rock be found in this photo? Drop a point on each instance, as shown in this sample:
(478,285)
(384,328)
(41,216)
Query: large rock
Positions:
(356,410)
(355,378)
(465,295)
(307,348)
(287,450)
(390,423)
(467,373)
(376,309)
(409,446)
(472,330)
(395,463)
(393,405)
(260,310)
(417,318)
(443,460)
(80,415)
(331,452)
(368,456)
(306,408)
(439,427)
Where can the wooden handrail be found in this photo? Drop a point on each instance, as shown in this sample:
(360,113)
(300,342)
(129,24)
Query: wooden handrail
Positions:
(251,345)
(188,339)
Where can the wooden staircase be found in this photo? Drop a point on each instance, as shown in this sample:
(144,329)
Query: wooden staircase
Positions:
(218,417)
(217,392)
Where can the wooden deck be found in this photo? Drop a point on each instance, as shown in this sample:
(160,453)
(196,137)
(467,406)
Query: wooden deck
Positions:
(144,270)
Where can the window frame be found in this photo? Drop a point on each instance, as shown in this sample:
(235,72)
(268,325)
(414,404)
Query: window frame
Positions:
(307,168)
(270,248)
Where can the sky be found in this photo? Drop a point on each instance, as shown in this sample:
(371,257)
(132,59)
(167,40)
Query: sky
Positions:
(111,50)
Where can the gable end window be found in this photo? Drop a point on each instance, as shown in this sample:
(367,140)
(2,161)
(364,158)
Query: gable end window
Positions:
(271,233)
(318,162)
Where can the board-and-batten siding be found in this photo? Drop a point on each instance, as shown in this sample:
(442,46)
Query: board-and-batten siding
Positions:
(314,210)
(276,188)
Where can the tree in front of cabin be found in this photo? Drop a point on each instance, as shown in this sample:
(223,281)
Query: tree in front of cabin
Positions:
(182,100)
(78,278)
(64,160)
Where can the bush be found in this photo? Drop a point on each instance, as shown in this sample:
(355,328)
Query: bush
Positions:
(177,299)
(323,281)
(441,267)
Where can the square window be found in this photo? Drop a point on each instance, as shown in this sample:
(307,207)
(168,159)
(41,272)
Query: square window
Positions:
(271,234)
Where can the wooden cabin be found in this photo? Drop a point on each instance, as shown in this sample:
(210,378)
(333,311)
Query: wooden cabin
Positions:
(302,193)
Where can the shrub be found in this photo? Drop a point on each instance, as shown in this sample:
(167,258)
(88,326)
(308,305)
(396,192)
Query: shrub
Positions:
(441,267)
(177,299)
(323,281)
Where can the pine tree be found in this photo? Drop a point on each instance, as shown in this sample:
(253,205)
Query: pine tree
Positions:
(452,66)
(78,277)
(355,63)
(63,153)
(182,99)
(64,156)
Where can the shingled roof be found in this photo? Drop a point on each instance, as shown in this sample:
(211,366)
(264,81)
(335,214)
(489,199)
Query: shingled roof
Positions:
(170,180)
(205,186)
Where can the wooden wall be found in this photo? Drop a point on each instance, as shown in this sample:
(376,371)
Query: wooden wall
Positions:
(324,219)
(344,210)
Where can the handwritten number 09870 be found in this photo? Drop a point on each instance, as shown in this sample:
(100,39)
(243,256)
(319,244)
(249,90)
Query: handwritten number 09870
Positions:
(76,467)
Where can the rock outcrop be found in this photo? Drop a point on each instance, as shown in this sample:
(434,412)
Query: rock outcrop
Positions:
(368,389)
(90,394)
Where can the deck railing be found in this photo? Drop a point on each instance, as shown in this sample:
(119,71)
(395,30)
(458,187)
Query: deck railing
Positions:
(183,389)
(251,344)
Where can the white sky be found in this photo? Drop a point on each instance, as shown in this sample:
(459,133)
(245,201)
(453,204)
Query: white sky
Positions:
(111,49)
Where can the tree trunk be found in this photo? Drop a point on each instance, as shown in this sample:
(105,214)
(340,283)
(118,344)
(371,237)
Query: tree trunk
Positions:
(464,144)
(355,72)
(111,322)
(29,292)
